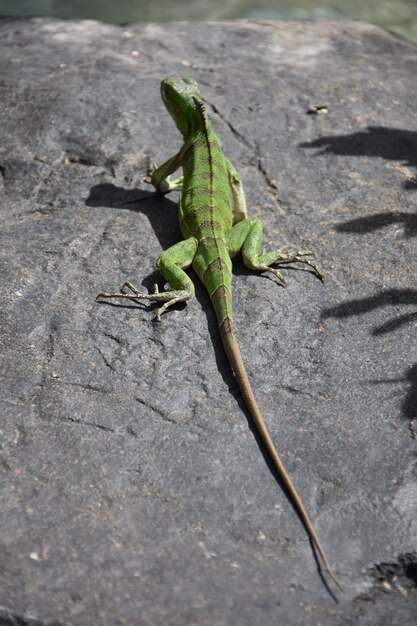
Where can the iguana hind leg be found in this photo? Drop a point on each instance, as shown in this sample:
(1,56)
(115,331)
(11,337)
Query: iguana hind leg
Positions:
(246,236)
(171,263)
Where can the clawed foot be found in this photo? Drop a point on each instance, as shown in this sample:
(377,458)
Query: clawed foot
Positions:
(169,298)
(299,257)
(134,296)
(148,176)
(295,257)
(166,184)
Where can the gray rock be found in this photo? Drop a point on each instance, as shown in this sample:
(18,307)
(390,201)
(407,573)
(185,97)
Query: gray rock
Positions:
(133,490)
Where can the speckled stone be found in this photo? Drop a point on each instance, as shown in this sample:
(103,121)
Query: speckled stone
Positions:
(133,491)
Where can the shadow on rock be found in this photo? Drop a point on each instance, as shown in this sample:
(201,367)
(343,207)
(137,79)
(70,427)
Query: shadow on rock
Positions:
(409,406)
(390,297)
(374,222)
(392,144)
(161,212)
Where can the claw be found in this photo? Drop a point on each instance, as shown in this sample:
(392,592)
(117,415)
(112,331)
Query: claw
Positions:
(298,257)
(155,296)
(278,275)
(148,176)
(133,289)
(313,266)
(137,295)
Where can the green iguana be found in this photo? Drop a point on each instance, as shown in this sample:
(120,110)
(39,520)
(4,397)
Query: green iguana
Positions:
(215,226)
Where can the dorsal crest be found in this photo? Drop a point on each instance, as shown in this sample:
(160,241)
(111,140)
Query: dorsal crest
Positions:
(201,109)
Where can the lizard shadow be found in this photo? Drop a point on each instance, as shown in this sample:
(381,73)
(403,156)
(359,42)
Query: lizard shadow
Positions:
(392,144)
(225,371)
(162,214)
(160,211)
(163,217)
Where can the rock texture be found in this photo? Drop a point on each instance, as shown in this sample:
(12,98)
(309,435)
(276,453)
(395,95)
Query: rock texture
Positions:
(133,491)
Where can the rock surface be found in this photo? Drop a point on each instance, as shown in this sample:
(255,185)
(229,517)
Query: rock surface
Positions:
(133,491)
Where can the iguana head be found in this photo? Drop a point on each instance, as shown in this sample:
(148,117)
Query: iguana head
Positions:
(184,102)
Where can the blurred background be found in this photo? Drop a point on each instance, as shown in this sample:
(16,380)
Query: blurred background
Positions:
(397,15)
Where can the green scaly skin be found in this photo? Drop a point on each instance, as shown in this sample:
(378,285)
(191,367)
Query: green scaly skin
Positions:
(215,226)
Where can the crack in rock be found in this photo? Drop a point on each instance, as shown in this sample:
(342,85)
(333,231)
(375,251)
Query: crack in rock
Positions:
(234,130)
(86,386)
(161,414)
(76,420)
(106,361)
(270,183)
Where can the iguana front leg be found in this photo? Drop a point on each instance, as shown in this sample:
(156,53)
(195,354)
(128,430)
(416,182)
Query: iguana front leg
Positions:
(246,236)
(171,263)
(160,177)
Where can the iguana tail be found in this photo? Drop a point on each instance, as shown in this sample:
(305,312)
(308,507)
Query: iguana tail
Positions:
(235,358)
